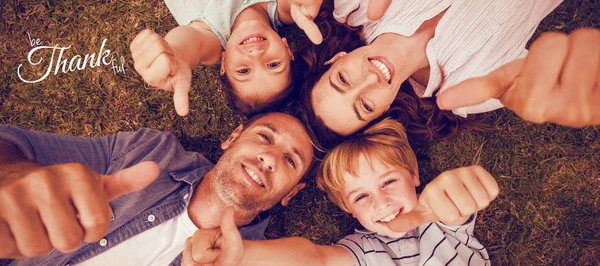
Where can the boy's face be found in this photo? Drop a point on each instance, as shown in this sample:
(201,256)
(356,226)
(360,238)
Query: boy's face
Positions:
(257,62)
(379,193)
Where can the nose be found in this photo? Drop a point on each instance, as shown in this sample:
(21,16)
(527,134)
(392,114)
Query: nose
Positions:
(255,50)
(267,161)
(381,202)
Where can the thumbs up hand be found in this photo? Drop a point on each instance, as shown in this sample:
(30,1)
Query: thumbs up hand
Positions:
(451,198)
(220,247)
(377,8)
(160,67)
(303,13)
(60,206)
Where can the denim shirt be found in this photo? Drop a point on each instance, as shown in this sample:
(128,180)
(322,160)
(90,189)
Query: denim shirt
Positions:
(134,213)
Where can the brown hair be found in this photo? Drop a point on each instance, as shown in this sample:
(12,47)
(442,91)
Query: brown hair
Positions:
(385,141)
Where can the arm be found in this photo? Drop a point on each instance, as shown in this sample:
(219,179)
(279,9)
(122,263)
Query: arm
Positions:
(225,247)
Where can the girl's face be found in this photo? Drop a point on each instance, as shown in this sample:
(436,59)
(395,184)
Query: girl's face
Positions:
(359,87)
(379,193)
(257,61)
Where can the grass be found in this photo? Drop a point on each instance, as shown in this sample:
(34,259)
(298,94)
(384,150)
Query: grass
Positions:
(548,212)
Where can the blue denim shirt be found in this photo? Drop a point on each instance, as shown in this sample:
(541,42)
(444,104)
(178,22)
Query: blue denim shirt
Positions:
(164,199)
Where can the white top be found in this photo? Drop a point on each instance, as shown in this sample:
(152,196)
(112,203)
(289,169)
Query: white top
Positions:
(473,37)
(217,14)
(429,244)
(157,246)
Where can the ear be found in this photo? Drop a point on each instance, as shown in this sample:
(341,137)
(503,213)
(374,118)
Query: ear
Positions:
(416,177)
(234,135)
(292,193)
(222,70)
(285,43)
(335,58)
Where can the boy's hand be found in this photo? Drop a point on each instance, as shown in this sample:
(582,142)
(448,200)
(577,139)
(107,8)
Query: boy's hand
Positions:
(160,67)
(60,206)
(220,247)
(558,82)
(303,13)
(377,8)
(450,198)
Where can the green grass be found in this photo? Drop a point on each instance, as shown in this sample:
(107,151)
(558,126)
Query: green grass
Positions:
(548,212)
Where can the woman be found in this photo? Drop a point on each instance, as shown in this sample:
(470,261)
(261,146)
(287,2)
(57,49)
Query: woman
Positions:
(433,44)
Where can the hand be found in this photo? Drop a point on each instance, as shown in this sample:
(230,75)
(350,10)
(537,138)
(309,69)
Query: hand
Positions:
(451,198)
(221,247)
(377,8)
(558,82)
(60,206)
(160,67)
(303,13)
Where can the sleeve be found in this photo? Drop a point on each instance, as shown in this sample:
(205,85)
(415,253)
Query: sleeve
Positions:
(451,245)
(354,245)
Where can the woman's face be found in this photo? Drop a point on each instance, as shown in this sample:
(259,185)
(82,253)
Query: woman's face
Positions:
(359,87)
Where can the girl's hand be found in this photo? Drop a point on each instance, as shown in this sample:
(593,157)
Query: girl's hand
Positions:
(303,13)
(451,198)
(377,8)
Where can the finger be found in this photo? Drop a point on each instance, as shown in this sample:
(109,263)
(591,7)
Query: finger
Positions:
(62,226)
(476,190)
(487,181)
(480,89)
(138,42)
(186,257)
(417,216)
(182,83)
(442,206)
(159,73)
(149,48)
(130,179)
(30,235)
(377,8)
(203,245)
(460,196)
(8,246)
(231,246)
(305,23)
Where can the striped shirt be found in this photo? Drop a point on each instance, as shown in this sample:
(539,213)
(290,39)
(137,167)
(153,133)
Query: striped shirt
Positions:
(472,38)
(428,244)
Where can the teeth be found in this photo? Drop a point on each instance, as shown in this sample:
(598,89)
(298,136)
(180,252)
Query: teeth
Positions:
(254,176)
(389,217)
(253,39)
(382,67)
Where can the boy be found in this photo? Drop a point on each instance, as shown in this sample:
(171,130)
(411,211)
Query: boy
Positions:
(238,33)
(373,176)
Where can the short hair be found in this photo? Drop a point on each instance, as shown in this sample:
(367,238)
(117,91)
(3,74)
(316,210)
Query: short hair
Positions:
(385,141)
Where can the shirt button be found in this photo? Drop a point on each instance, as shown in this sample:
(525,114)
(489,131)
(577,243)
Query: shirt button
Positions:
(186,195)
(151,218)
(245,1)
(103,242)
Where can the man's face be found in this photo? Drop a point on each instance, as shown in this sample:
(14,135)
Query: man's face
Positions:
(263,163)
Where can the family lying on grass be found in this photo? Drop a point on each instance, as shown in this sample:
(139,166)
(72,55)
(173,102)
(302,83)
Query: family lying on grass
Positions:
(135,197)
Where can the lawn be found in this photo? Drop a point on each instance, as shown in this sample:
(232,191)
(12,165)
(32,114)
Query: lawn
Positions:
(548,212)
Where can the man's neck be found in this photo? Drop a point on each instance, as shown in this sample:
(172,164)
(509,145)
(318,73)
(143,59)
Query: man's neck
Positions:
(255,12)
(206,206)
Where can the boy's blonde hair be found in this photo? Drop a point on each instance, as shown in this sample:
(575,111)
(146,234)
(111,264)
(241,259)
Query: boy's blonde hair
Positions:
(385,141)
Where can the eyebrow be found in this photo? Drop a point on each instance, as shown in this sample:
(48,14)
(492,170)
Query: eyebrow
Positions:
(272,128)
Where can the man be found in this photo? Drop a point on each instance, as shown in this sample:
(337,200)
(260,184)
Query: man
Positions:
(55,191)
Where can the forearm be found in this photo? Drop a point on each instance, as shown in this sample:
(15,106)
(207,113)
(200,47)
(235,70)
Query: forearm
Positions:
(194,44)
(284,251)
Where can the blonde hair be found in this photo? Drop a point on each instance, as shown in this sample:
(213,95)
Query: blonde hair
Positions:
(385,141)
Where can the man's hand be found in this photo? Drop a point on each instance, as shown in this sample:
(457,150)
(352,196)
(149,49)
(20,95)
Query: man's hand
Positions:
(220,247)
(303,13)
(558,82)
(451,198)
(60,206)
(377,8)
(160,67)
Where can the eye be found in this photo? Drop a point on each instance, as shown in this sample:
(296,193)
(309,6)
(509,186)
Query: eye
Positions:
(360,197)
(243,71)
(366,105)
(342,79)
(273,64)
(389,182)
(291,161)
(265,137)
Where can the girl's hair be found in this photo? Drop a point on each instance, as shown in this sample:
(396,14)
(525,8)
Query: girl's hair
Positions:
(385,141)
(423,120)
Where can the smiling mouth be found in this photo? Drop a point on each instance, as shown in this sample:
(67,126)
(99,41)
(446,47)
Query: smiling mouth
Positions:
(390,217)
(253,39)
(385,70)
(254,176)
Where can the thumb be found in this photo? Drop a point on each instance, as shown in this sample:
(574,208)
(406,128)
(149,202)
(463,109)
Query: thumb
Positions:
(232,247)
(130,179)
(419,215)
(182,82)
(480,89)
(304,20)
(377,8)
